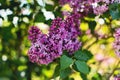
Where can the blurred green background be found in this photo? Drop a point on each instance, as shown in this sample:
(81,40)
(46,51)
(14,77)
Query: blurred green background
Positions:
(16,16)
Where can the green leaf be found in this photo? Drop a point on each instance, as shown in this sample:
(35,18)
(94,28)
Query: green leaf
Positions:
(115,10)
(65,62)
(106,15)
(83,76)
(75,68)
(83,55)
(49,7)
(97,76)
(39,17)
(58,12)
(48,22)
(57,71)
(92,25)
(64,73)
(115,14)
(82,67)
(91,15)
(6,31)
(10,17)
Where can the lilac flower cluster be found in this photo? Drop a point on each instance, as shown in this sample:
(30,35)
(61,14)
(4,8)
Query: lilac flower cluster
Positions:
(84,7)
(79,6)
(117,41)
(34,34)
(115,1)
(62,36)
(100,6)
(68,30)
(117,77)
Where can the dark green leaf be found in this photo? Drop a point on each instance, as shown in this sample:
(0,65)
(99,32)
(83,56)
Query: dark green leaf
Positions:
(64,73)
(106,15)
(75,68)
(115,14)
(82,67)
(91,15)
(92,25)
(65,62)
(49,7)
(48,22)
(57,71)
(115,10)
(83,76)
(6,31)
(58,12)
(10,17)
(39,17)
(83,55)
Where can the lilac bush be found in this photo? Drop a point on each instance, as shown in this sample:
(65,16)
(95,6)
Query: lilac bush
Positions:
(85,7)
(79,6)
(62,36)
(64,39)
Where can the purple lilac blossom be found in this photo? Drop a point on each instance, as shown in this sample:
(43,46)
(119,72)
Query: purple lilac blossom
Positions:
(115,1)
(101,6)
(71,43)
(62,36)
(44,50)
(85,7)
(79,6)
(117,42)
(67,32)
(100,9)
(34,33)
(117,77)
(62,2)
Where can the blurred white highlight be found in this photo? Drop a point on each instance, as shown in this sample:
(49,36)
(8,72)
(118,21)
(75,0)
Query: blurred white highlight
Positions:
(4,57)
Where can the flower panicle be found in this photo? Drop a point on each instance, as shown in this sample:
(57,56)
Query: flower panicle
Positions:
(62,36)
